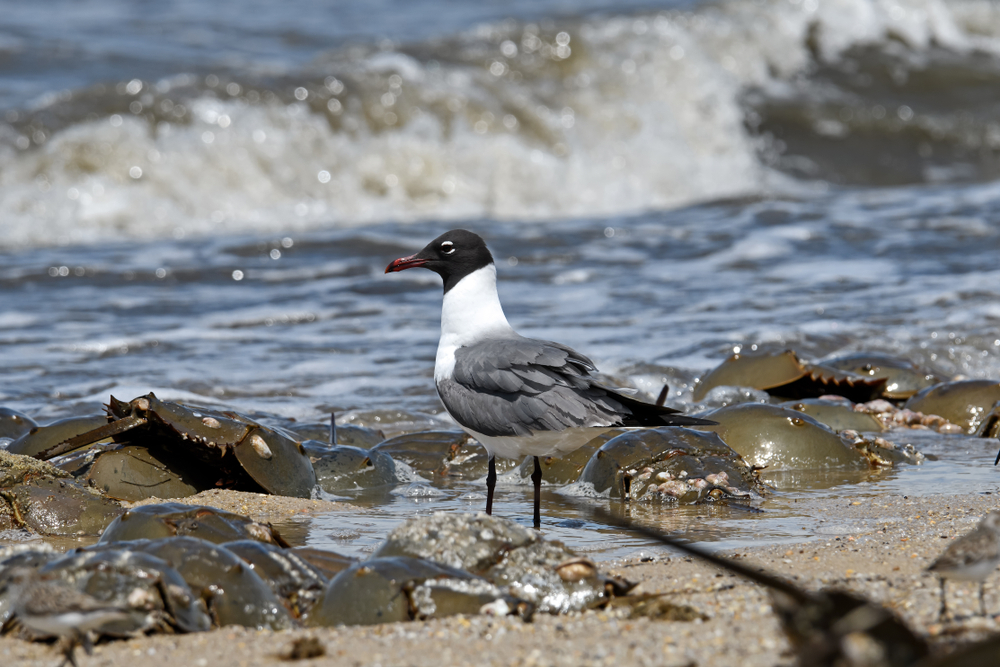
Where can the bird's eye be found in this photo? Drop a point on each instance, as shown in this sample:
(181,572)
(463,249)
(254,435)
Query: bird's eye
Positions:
(447,247)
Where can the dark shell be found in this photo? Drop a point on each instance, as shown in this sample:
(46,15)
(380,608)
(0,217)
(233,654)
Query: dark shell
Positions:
(170,519)
(347,434)
(434,453)
(203,448)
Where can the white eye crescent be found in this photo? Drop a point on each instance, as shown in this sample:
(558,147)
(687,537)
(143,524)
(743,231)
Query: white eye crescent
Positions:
(447,247)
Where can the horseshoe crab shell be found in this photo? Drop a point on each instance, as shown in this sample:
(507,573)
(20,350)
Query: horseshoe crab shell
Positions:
(783,374)
(777,438)
(967,403)
(903,377)
(207,447)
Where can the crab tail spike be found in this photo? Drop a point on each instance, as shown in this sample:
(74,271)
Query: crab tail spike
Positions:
(333,428)
(662,398)
(998,459)
(99,433)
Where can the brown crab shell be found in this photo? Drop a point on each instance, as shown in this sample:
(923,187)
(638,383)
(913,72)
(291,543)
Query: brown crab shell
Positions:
(784,374)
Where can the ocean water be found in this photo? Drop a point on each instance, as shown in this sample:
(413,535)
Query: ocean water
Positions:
(200,200)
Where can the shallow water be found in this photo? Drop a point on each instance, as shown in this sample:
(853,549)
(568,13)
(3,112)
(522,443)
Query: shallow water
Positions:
(660,185)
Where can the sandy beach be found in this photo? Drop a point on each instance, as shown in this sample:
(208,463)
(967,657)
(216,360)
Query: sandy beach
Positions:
(881,552)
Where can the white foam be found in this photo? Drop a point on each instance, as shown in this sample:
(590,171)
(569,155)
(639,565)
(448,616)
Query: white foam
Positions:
(649,120)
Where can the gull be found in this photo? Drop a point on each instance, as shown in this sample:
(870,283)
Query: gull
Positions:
(517,396)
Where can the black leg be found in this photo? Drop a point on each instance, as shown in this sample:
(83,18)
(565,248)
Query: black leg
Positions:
(982,596)
(491,482)
(536,477)
(944,603)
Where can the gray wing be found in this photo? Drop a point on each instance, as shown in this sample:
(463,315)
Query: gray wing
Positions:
(517,386)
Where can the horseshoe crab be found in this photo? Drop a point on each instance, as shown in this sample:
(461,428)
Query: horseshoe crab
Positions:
(903,378)
(40,497)
(674,464)
(777,438)
(234,594)
(344,468)
(291,577)
(546,574)
(230,450)
(783,374)
(134,580)
(394,589)
(13,424)
(972,404)
(437,454)
(170,519)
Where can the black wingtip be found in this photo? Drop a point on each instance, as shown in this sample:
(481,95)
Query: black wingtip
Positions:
(684,420)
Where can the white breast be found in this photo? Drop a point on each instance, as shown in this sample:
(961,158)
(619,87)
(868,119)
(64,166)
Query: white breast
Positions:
(470,312)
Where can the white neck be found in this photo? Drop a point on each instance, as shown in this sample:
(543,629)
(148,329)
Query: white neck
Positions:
(470,311)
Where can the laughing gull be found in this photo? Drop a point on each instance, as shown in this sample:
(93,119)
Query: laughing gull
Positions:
(517,396)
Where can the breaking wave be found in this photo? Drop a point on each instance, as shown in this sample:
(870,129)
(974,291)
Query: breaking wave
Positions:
(529,121)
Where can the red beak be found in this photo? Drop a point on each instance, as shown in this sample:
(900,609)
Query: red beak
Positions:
(404,263)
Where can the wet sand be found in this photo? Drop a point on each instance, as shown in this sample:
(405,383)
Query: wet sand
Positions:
(878,548)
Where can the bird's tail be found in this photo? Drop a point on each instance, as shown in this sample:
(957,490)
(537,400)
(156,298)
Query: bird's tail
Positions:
(647,414)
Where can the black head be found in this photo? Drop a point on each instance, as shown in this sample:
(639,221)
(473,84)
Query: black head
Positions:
(453,255)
